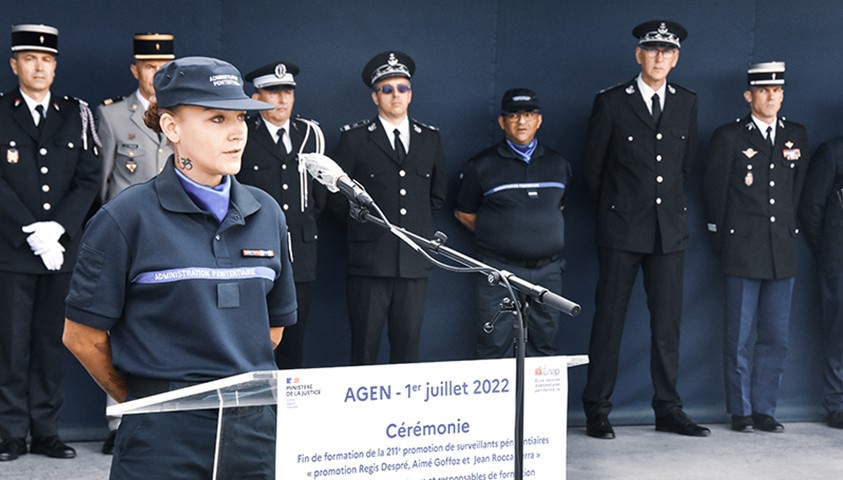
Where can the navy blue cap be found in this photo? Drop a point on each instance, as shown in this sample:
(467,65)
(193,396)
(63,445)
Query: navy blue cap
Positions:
(203,82)
(275,76)
(387,65)
(660,33)
(519,100)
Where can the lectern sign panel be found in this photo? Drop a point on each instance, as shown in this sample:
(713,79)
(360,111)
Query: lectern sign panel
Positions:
(427,421)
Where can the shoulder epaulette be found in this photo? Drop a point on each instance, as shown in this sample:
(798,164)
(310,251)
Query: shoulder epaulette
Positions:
(351,126)
(72,99)
(680,87)
(109,101)
(612,88)
(429,127)
(300,118)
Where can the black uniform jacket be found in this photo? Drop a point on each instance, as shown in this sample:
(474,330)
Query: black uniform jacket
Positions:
(751,195)
(635,170)
(408,193)
(821,206)
(266,167)
(46,177)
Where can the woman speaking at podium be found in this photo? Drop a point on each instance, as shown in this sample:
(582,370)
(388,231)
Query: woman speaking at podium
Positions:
(186,279)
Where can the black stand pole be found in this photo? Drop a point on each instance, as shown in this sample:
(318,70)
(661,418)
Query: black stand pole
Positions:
(529,291)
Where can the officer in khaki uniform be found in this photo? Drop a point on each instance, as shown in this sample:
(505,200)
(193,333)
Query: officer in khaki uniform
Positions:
(271,162)
(401,163)
(754,174)
(131,152)
(49,176)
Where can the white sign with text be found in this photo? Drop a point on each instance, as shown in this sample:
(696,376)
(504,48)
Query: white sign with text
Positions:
(422,421)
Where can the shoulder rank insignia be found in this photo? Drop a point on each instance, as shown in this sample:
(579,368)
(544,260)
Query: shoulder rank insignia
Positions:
(417,123)
(109,101)
(351,126)
(749,152)
(306,120)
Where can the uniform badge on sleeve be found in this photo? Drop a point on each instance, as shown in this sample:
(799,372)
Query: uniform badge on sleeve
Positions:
(247,252)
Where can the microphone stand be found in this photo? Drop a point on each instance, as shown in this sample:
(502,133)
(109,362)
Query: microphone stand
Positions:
(530,292)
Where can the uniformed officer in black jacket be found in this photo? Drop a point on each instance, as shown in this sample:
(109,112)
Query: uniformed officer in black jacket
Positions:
(271,162)
(49,176)
(753,179)
(401,163)
(638,151)
(821,212)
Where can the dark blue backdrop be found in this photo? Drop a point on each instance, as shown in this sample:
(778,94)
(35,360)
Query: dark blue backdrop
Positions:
(468,53)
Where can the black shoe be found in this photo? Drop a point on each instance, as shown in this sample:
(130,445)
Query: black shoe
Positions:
(678,422)
(766,423)
(52,447)
(742,424)
(599,427)
(108,445)
(12,448)
(835,420)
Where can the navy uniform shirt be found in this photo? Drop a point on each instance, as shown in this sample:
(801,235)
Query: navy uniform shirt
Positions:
(518,204)
(184,297)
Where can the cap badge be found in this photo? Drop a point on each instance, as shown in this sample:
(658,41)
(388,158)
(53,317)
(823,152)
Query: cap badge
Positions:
(750,153)
(662,29)
(392,61)
(41,39)
(157,46)
(280,70)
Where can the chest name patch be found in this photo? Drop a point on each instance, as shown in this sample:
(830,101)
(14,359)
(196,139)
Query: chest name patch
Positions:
(257,253)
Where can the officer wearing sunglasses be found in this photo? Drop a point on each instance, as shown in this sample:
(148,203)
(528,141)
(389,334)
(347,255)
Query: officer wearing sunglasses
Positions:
(401,163)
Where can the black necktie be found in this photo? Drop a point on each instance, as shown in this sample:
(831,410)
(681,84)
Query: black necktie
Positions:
(41,117)
(400,152)
(282,148)
(770,138)
(657,108)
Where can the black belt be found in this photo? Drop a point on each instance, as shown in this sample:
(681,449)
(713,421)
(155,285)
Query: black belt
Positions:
(140,387)
(520,262)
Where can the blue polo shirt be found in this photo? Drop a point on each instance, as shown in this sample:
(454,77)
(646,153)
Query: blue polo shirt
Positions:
(183,296)
(518,204)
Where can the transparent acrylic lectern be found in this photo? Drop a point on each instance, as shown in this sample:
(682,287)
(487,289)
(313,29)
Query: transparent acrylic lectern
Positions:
(226,395)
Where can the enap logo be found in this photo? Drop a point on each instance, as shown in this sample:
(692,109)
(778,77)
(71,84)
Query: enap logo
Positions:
(545,371)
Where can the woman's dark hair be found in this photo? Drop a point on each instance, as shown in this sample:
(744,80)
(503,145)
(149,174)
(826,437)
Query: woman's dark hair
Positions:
(152,117)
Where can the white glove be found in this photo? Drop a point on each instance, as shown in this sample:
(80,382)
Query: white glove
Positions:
(44,235)
(53,258)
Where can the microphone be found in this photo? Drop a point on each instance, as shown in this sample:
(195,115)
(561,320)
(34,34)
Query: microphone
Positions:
(328,173)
